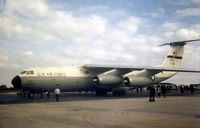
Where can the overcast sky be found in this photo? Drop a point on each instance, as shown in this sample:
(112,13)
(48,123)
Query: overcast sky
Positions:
(111,32)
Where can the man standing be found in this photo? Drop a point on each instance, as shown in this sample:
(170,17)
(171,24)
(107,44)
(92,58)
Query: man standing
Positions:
(163,89)
(191,89)
(152,94)
(47,93)
(57,92)
(158,90)
(182,89)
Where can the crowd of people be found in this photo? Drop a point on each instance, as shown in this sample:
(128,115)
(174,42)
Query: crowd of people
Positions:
(163,90)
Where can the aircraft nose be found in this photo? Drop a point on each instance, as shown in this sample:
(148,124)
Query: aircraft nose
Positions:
(16,82)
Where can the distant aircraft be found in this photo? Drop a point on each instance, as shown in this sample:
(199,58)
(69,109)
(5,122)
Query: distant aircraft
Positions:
(101,79)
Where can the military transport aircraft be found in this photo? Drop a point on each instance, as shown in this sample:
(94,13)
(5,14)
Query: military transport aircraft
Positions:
(101,79)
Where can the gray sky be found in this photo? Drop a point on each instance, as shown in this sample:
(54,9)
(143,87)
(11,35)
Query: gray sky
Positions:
(115,32)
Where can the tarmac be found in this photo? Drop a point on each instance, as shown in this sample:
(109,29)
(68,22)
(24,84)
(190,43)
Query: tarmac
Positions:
(90,111)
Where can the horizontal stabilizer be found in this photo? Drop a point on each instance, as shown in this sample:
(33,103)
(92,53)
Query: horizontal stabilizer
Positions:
(179,43)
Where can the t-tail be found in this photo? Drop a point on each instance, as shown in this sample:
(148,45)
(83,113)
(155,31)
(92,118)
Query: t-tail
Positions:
(173,59)
(175,54)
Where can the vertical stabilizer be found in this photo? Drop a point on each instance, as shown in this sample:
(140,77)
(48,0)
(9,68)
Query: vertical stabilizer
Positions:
(175,54)
(174,57)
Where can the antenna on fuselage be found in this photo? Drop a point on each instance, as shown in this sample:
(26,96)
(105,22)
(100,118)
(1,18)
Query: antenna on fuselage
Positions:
(179,43)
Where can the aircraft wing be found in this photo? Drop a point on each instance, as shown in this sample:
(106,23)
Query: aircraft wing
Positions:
(126,69)
(98,69)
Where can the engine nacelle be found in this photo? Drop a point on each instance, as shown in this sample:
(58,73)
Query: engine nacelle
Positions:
(107,80)
(136,81)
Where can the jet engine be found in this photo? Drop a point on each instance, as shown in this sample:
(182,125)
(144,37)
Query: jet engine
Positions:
(136,81)
(107,80)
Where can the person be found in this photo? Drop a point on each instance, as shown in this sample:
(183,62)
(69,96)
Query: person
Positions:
(191,89)
(182,89)
(140,89)
(57,92)
(152,94)
(41,95)
(158,90)
(163,89)
(168,89)
(137,89)
(47,93)
(24,93)
(186,88)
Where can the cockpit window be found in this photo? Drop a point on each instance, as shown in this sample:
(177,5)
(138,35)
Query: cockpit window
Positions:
(23,72)
(29,72)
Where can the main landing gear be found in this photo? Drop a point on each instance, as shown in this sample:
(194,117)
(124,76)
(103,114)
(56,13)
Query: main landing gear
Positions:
(25,94)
